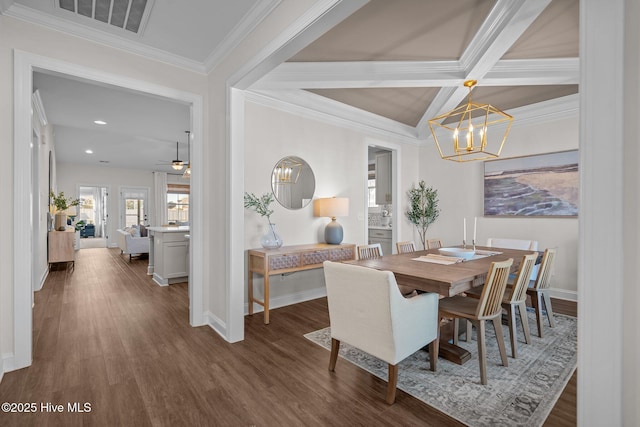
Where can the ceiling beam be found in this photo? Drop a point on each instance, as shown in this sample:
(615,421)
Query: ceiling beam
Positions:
(378,74)
(506,22)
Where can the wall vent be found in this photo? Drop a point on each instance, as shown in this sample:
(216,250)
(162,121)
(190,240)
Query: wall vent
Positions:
(130,15)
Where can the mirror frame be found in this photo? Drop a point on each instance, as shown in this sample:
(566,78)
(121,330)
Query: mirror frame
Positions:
(298,173)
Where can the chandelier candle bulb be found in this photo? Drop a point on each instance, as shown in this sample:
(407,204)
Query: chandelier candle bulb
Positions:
(464,230)
(475,226)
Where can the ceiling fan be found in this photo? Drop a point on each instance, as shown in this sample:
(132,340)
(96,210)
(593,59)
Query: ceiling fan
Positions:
(176,164)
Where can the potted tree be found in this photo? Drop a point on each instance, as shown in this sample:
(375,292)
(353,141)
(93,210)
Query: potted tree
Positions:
(423,209)
(60,204)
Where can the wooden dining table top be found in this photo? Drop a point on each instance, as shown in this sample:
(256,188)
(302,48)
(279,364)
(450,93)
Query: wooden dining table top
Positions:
(446,280)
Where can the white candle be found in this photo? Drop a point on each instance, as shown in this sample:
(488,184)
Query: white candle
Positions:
(464,229)
(475,225)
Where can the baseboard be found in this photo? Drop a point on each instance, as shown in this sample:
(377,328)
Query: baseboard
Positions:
(42,280)
(289,299)
(563,294)
(7,363)
(1,369)
(215,323)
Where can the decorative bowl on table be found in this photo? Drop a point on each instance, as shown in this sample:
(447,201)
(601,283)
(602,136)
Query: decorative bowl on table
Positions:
(457,252)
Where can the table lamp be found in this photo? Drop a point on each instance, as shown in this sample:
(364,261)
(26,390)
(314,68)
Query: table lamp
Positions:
(332,207)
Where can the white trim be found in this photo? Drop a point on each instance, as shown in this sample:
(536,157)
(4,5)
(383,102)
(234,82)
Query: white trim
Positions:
(42,280)
(249,22)
(118,42)
(308,104)
(215,323)
(600,273)
(38,108)
(323,15)
(24,66)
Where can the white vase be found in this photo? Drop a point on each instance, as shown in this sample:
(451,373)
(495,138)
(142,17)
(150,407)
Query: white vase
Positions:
(271,240)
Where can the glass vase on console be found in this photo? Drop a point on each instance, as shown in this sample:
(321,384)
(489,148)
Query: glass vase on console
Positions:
(271,240)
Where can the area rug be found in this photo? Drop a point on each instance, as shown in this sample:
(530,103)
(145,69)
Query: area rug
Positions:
(521,394)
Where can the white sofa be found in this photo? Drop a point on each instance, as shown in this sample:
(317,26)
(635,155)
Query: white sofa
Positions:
(131,245)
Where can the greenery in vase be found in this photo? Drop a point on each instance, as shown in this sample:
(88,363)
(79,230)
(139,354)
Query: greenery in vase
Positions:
(259,204)
(61,202)
(424,208)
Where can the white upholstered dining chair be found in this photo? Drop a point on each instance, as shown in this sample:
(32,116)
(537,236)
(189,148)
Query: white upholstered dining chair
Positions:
(367,311)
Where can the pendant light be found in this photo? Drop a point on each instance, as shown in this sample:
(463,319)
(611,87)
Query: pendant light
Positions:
(177,164)
(463,134)
(187,171)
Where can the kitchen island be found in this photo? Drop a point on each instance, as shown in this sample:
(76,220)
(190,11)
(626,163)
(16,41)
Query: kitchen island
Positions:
(168,254)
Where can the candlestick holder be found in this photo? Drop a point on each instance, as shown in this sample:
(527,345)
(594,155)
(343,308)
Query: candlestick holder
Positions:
(473,242)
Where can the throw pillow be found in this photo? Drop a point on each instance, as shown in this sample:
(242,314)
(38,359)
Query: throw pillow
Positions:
(143,231)
(135,231)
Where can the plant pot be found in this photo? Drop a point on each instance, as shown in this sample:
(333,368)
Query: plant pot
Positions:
(60,221)
(271,240)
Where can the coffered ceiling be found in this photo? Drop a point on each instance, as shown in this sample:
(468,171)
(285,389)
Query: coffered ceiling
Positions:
(388,67)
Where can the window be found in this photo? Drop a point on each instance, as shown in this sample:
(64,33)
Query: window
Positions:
(134,207)
(134,212)
(372,192)
(177,203)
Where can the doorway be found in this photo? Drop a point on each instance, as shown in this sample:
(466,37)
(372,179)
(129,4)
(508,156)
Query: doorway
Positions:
(25,65)
(91,221)
(380,198)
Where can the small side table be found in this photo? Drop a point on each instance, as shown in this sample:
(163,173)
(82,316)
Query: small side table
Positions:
(288,259)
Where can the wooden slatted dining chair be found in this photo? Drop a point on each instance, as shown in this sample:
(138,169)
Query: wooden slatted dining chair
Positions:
(405,247)
(373,250)
(514,300)
(477,311)
(539,289)
(384,324)
(434,244)
(521,244)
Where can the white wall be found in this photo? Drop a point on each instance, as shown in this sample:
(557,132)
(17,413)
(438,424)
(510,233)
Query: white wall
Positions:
(70,176)
(460,190)
(339,159)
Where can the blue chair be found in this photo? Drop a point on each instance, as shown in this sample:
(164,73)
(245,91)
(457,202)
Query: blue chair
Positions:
(88,230)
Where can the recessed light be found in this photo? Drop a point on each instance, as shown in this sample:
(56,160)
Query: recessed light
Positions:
(104,161)
(88,151)
(100,122)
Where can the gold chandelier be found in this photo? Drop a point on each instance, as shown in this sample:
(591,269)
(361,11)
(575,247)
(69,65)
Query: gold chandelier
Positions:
(287,171)
(463,134)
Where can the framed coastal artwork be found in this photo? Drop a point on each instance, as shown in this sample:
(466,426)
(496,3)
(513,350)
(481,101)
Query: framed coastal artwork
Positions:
(544,185)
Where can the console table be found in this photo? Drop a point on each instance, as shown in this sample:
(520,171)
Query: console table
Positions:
(288,259)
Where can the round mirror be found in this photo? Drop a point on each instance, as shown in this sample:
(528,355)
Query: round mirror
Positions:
(293,183)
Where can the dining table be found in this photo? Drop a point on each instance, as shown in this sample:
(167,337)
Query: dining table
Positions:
(425,272)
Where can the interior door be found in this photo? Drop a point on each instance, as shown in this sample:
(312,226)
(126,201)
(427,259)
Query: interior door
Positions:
(134,206)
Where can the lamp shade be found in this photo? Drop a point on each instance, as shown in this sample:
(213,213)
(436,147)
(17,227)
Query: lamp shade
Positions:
(331,207)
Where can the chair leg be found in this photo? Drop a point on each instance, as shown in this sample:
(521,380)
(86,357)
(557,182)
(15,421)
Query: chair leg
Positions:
(497,325)
(392,384)
(511,315)
(547,306)
(434,349)
(482,351)
(525,321)
(537,305)
(335,347)
(469,329)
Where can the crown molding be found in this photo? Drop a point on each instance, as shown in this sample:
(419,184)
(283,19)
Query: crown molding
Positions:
(247,25)
(310,105)
(4,5)
(50,21)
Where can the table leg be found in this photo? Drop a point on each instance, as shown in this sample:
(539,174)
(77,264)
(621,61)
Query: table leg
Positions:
(250,292)
(449,351)
(266,299)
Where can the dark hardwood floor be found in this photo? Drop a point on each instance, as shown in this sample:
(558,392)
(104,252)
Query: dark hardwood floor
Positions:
(105,334)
